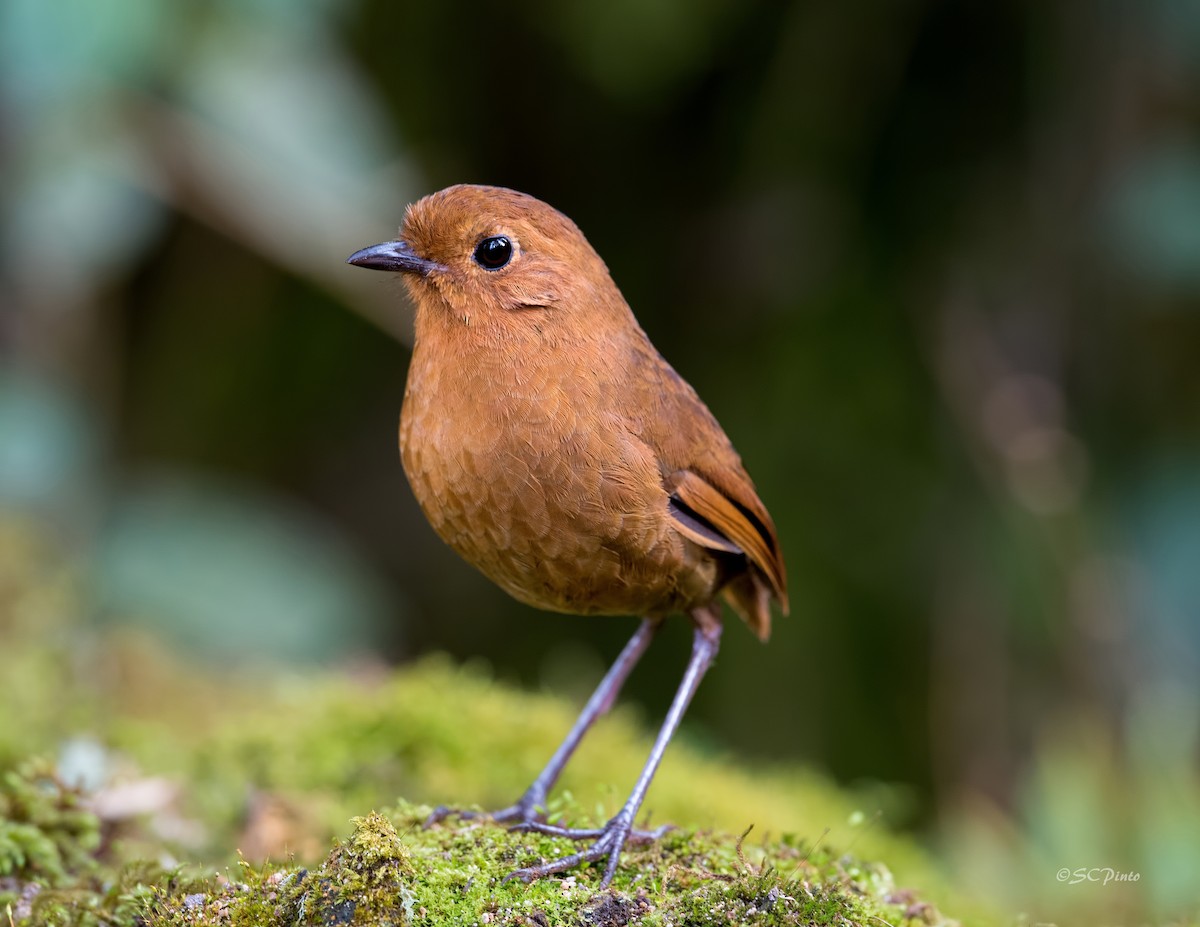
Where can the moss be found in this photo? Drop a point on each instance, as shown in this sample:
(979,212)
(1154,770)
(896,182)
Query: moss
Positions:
(52,870)
(455,875)
(45,833)
(442,733)
(393,871)
(364,881)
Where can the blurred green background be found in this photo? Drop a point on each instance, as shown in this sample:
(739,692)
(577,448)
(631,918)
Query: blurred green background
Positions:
(934,265)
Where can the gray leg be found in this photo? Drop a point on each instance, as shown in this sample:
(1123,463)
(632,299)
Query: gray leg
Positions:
(529,808)
(610,840)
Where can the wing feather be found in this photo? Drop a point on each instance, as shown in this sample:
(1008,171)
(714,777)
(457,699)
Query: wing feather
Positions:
(753,534)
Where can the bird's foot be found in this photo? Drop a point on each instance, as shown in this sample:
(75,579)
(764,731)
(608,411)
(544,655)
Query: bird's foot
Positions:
(525,812)
(441,812)
(590,833)
(609,841)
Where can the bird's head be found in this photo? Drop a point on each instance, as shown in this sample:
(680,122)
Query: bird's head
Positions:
(489,253)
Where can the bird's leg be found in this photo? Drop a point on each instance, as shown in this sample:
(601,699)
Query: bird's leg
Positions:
(530,807)
(613,836)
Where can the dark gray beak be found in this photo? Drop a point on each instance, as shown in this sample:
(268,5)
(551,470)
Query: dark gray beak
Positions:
(395,256)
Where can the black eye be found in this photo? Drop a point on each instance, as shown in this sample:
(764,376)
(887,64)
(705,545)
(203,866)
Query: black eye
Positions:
(493,253)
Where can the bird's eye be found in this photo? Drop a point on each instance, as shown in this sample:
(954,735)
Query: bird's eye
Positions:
(493,253)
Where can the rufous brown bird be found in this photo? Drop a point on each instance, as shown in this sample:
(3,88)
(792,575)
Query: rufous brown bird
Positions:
(552,446)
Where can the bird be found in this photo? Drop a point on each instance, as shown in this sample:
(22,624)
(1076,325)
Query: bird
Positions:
(550,444)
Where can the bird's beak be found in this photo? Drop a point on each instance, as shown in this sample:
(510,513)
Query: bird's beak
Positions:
(396,256)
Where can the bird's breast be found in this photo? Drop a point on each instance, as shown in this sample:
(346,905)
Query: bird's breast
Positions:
(536,479)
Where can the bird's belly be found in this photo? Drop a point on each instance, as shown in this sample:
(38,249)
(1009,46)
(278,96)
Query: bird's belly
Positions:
(561,519)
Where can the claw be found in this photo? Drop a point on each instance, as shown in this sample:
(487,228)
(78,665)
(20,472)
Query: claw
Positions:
(609,842)
(589,833)
(523,813)
(441,812)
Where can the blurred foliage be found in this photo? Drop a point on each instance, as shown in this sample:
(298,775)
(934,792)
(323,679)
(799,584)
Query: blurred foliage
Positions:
(204,557)
(932,264)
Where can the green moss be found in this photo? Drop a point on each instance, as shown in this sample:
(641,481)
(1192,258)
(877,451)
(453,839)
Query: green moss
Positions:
(455,875)
(393,871)
(45,834)
(51,869)
(364,881)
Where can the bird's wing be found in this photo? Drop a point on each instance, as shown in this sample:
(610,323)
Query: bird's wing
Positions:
(712,499)
(719,520)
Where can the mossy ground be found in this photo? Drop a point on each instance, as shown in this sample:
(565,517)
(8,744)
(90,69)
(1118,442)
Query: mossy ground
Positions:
(189,765)
(393,870)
